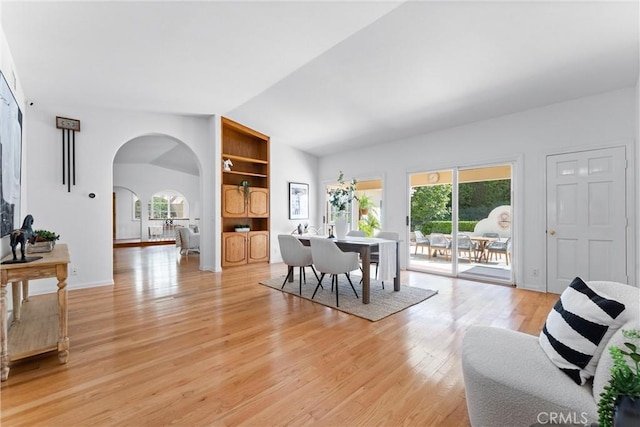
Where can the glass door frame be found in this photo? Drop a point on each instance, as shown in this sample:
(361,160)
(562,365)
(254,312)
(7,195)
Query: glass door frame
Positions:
(516,200)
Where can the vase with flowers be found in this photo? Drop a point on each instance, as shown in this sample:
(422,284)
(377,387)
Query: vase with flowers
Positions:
(340,197)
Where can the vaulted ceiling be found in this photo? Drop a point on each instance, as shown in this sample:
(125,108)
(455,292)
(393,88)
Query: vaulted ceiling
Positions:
(319,75)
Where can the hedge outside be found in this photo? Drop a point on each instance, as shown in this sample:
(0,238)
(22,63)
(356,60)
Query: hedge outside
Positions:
(444,227)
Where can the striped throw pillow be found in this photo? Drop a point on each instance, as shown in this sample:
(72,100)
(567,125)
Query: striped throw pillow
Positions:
(578,329)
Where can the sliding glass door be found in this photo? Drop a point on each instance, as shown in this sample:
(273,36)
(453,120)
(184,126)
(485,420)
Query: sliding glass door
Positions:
(461,222)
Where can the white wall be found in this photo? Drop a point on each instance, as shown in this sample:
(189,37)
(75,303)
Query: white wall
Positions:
(637,260)
(127,227)
(85,223)
(608,119)
(287,164)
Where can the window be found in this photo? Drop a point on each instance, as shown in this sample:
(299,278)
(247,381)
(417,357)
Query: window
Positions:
(137,207)
(168,205)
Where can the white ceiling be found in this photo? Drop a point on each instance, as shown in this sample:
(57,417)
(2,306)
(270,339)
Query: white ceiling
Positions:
(320,75)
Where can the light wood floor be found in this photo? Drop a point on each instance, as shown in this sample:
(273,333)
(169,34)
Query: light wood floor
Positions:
(169,344)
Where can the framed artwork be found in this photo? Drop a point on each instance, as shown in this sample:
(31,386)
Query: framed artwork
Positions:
(298,200)
(10,158)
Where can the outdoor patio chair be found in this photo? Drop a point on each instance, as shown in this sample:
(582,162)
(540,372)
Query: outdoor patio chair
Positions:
(439,243)
(465,244)
(499,247)
(421,241)
(491,234)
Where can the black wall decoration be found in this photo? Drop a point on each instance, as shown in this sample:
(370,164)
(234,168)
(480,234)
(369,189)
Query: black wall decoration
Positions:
(69,128)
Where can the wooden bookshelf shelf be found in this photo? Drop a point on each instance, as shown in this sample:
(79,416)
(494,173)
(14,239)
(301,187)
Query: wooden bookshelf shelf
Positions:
(244,159)
(261,175)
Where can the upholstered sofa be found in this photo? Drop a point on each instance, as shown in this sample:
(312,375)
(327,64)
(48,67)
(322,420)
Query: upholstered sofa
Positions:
(187,239)
(511,381)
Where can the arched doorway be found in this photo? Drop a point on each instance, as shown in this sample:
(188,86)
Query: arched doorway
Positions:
(155,167)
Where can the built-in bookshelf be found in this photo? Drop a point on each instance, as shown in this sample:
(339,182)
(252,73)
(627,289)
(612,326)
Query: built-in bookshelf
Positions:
(248,151)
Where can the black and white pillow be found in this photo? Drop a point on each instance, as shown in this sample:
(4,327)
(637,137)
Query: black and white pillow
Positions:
(578,328)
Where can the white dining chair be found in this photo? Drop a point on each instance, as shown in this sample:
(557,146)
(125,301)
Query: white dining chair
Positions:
(329,259)
(295,254)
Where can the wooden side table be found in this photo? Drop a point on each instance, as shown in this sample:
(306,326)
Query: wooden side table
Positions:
(35,328)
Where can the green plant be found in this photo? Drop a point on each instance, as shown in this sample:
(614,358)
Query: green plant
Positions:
(364,203)
(342,194)
(625,379)
(244,188)
(369,224)
(45,236)
(242,226)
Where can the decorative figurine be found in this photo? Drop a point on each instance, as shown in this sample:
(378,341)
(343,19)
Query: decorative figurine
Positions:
(22,236)
(226,165)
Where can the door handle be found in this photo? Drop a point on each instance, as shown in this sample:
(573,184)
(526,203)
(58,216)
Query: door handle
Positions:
(552,232)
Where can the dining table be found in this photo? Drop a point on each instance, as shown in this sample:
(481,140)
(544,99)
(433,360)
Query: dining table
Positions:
(364,246)
(482,244)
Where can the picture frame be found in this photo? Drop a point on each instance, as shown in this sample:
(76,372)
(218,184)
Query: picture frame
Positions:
(298,200)
(10,157)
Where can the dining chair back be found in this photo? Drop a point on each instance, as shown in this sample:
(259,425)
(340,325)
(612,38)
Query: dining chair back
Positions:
(499,248)
(356,233)
(421,241)
(491,234)
(439,243)
(295,254)
(329,259)
(465,244)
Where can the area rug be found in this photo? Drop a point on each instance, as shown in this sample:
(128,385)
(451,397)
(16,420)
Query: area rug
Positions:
(383,302)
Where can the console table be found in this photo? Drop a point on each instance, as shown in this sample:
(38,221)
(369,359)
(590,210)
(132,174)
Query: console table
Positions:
(39,322)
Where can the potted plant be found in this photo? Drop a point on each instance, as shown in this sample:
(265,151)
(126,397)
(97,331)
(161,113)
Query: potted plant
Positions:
(619,403)
(369,224)
(244,188)
(364,203)
(343,194)
(339,197)
(42,241)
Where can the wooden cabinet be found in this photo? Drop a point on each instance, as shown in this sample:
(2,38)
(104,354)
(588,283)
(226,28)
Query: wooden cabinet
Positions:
(234,204)
(244,248)
(248,150)
(258,206)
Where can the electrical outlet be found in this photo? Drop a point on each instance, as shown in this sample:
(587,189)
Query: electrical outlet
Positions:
(535,272)
(74,271)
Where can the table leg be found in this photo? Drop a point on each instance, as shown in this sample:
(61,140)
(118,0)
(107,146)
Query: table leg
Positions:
(396,280)
(365,253)
(4,337)
(17,305)
(63,338)
(25,290)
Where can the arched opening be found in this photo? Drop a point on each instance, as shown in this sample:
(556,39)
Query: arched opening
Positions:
(156,182)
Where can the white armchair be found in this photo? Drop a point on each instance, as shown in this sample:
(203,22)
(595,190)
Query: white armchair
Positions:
(187,240)
(295,254)
(329,259)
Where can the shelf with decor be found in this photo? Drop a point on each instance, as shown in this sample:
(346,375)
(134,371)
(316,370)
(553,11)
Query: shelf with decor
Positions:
(244,195)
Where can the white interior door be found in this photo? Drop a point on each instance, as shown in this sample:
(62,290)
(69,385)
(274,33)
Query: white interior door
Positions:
(586,217)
